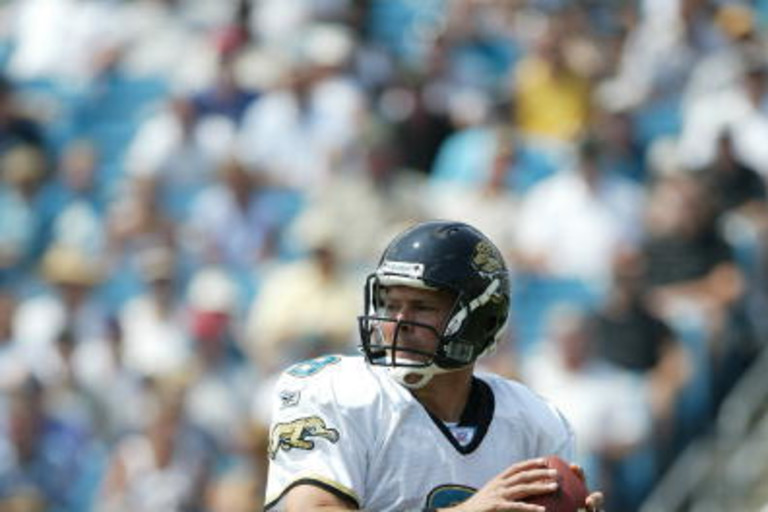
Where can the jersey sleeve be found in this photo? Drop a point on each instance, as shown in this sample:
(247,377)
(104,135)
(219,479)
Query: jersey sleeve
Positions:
(549,431)
(315,438)
(561,439)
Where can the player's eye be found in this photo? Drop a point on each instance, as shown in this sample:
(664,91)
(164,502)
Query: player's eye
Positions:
(391,308)
(426,308)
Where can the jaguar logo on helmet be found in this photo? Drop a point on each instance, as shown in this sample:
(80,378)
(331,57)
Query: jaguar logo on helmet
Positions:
(486,258)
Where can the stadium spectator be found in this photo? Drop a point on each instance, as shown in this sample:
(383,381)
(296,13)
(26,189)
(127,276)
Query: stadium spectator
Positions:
(22,171)
(319,108)
(622,151)
(222,380)
(116,389)
(690,269)
(12,362)
(48,462)
(574,223)
(66,302)
(234,221)
(477,188)
(737,106)
(171,41)
(227,97)
(68,52)
(163,466)
(73,201)
(608,406)
(629,335)
(391,194)
(16,128)
(733,186)
(170,149)
(551,98)
(155,342)
(137,220)
(418,113)
(278,332)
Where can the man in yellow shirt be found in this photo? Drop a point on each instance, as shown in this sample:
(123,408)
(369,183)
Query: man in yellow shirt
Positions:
(551,99)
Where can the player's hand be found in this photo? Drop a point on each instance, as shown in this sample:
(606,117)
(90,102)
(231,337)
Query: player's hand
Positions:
(505,490)
(595,499)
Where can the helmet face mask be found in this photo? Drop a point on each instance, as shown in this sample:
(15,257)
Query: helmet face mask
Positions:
(448,256)
(387,350)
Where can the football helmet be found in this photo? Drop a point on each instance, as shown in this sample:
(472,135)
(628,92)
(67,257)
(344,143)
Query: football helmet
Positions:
(437,255)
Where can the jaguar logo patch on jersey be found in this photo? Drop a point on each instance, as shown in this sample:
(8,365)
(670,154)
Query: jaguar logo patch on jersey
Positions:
(297,434)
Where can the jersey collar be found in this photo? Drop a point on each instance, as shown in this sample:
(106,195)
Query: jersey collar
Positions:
(478,414)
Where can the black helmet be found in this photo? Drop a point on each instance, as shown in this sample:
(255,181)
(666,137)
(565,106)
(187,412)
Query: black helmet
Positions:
(449,256)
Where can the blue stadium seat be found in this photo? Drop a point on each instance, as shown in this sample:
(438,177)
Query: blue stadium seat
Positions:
(533,297)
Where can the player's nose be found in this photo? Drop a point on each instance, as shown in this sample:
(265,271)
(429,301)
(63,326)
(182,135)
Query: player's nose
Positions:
(404,314)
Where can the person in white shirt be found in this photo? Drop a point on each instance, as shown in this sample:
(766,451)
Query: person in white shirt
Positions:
(574,223)
(412,426)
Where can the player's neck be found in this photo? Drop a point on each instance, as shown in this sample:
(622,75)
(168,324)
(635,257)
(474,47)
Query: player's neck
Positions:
(446,394)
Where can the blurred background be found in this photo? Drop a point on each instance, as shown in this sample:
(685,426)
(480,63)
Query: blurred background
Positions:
(192,191)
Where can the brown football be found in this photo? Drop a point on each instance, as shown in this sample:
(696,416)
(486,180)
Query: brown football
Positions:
(571,493)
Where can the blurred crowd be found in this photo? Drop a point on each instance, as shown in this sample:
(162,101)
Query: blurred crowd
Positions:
(192,191)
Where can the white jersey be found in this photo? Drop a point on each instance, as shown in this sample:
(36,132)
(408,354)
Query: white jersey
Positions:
(349,428)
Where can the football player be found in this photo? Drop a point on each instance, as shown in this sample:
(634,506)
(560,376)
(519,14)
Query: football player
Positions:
(412,426)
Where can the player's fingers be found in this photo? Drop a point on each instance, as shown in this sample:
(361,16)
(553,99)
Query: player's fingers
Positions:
(524,465)
(595,502)
(530,475)
(519,506)
(520,491)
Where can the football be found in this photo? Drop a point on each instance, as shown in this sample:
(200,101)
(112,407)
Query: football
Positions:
(571,493)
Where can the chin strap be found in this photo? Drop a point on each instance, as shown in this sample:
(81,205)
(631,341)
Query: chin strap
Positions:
(416,378)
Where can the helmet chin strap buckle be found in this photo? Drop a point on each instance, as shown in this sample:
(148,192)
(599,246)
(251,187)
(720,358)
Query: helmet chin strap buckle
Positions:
(415,378)
(411,378)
